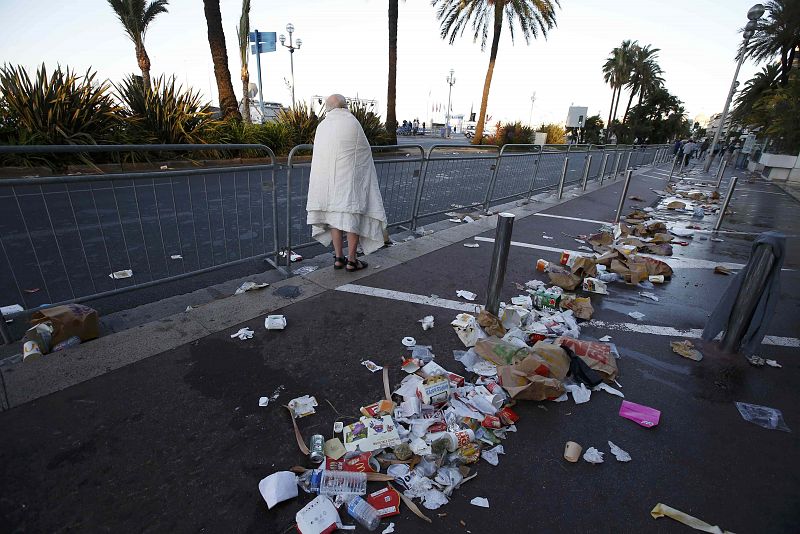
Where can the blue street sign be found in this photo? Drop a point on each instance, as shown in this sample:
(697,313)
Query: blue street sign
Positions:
(264,37)
(263,48)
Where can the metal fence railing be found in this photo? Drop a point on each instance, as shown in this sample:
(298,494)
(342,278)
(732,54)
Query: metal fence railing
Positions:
(62,236)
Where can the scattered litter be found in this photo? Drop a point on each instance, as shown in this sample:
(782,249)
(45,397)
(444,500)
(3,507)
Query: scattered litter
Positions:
(409,341)
(593,456)
(468,295)
(288,292)
(572,452)
(756,361)
(681,232)
(485,368)
(483,502)
(249,286)
(602,386)
(318,517)
(275,322)
(244,333)
(11,309)
(619,454)
(176,257)
(491,455)
(32,290)
(639,199)
(278,487)
(471,245)
(662,510)
(651,296)
(773,363)
(605,338)
(118,275)
(763,416)
(642,415)
(656,279)
(716,240)
(303,406)
(587,249)
(263,402)
(546,237)
(579,393)
(305,270)
(372,366)
(721,269)
(427,322)
(390,528)
(454,220)
(636,315)
(468,219)
(686,349)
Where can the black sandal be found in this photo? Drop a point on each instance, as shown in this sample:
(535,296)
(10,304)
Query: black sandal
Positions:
(342,260)
(356,266)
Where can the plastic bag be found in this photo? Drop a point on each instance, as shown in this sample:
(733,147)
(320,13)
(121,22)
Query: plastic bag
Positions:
(762,416)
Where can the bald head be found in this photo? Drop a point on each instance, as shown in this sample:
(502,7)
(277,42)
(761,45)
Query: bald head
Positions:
(335,101)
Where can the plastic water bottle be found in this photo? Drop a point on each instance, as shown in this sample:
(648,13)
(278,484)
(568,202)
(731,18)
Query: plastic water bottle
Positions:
(363,512)
(342,483)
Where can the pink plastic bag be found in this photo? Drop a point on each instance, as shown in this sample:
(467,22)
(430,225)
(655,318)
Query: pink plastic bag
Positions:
(643,415)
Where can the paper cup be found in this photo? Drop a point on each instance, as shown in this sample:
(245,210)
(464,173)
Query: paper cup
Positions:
(572,452)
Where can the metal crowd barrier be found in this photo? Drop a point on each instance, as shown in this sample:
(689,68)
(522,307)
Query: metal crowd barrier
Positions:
(62,237)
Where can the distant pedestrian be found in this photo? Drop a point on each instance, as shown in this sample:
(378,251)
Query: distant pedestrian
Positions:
(343,193)
(423,128)
(704,148)
(676,147)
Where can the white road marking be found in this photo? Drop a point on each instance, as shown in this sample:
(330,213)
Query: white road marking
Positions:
(673,261)
(637,328)
(570,218)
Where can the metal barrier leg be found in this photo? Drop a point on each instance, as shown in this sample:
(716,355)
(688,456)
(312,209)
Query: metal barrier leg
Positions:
(418,194)
(616,165)
(535,173)
(753,286)
(627,164)
(586,171)
(672,170)
(563,176)
(502,244)
(725,203)
(4,330)
(603,167)
(490,185)
(628,175)
(723,164)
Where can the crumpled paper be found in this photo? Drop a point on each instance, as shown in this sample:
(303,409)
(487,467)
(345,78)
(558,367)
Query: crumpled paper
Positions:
(662,510)
(483,502)
(244,333)
(686,349)
(491,455)
(593,456)
(469,295)
(618,453)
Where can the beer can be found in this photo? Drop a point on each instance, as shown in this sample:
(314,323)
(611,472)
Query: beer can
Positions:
(542,265)
(316,445)
(564,257)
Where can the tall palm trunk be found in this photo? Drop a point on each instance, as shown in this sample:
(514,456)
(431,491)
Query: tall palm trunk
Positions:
(498,27)
(245,96)
(616,105)
(144,63)
(219,54)
(628,107)
(391,91)
(610,111)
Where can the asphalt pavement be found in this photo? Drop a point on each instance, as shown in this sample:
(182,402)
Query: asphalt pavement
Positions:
(177,442)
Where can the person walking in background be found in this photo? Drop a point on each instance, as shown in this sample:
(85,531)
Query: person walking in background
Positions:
(704,148)
(343,193)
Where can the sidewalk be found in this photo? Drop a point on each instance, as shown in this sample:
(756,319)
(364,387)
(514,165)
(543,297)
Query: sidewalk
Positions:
(177,441)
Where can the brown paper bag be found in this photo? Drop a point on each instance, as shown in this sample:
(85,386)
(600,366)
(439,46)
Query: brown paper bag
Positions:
(491,324)
(597,355)
(564,279)
(523,385)
(499,352)
(69,320)
(584,266)
(555,358)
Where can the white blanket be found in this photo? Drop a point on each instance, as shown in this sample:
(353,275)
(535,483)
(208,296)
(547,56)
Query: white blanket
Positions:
(343,189)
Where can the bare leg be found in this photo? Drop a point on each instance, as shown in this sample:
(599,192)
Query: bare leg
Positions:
(352,246)
(336,238)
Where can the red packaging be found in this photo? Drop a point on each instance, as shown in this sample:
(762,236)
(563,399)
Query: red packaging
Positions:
(455,380)
(385,501)
(491,421)
(358,463)
(564,257)
(508,416)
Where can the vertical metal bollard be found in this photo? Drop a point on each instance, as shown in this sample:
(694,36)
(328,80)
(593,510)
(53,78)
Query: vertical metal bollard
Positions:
(497,273)
(563,176)
(746,301)
(603,167)
(723,164)
(725,203)
(586,171)
(616,164)
(628,175)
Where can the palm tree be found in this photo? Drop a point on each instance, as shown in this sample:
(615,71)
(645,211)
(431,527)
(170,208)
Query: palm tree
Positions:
(135,17)
(219,54)
(645,74)
(754,89)
(243,31)
(391,91)
(532,16)
(777,35)
(617,73)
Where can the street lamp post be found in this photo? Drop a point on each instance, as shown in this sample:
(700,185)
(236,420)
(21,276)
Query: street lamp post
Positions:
(291,46)
(530,117)
(753,15)
(451,81)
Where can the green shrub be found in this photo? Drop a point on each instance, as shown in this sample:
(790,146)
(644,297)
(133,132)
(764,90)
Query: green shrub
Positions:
(512,133)
(60,109)
(164,113)
(371,123)
(556,135)
(300,123)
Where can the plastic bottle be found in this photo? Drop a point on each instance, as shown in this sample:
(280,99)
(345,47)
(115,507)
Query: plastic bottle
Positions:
(363,512)
(342,483)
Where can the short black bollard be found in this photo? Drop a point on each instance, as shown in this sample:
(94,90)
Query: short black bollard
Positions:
(4,330)
(628,175)
(497,273)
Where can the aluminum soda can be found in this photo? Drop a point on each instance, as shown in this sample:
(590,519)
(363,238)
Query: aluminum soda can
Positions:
(317,443)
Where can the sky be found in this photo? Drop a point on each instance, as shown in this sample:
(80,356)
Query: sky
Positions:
(345,50)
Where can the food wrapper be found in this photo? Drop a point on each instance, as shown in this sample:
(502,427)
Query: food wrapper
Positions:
(522,381)
(596,355)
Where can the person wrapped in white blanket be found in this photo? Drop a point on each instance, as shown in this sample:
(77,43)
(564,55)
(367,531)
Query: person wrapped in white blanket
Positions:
(343,193)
